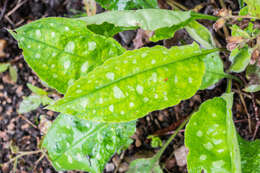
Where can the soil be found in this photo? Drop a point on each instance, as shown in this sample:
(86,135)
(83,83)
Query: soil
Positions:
(23,132)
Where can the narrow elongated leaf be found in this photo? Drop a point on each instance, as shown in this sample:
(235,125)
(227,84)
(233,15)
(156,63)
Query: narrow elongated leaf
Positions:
(127,4)
(4,67)
(60,50)
(75,144)
(211,138)
(213,63)
(110,23)
(128,87)
(13,73)
(240,59)
(37,90)
(250,155)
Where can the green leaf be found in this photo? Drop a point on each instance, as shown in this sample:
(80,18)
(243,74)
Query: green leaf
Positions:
(236,31)
(29,103)
(33,102)
(37,90)
(240,59)
(127,4)
(250,155)
(144,166)
(75,144)
(129,86)
(4,67)
(60,50)
(211,138)
(253,75)
(200,34)
(13,73)
(156,141)
(110,23)
(213,63)
(253,7)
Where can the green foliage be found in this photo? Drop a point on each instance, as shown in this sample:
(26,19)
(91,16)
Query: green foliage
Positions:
(75,144)
(35,100)
(253,75)
(13,73)
(240,59)
(253,7)
(156,141)
(144,166)
(37,90)
(213,63)
(128,87)
(4,67)
(60,50)
(127,4)
(250,155)
(110,23)
(211,138)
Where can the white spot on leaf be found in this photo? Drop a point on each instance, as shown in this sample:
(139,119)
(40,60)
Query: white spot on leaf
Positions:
(139,89)
(131,104)
(199,133)
(53,34)
(67,64)
(218,164)
(91,45)
(146,99)
(38,33)
(70,46)
(203,157)
(84,67)
(110,75)
(208,146)
(118,92)
(111,108)
(37,55)
(153,61)
(67,28)
(190,80)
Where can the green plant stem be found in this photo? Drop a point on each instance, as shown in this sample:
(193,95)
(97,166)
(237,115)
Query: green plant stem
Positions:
(229,86)
(24,153)
(159,154)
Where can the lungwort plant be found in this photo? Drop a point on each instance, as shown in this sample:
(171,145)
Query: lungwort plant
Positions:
(107,88)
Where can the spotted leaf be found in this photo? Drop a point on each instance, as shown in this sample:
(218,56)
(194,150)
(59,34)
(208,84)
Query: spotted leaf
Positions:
(129,86)
(110,23)
(60,50)
(75,144)
(211,138)
(127,4)
(213,63)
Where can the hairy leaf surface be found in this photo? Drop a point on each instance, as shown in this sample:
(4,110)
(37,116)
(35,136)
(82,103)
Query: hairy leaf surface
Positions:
(211,138)
(110,23)
(213,63)
(250,155)
(75,144)
(60,50)
(128,87)
(127,4)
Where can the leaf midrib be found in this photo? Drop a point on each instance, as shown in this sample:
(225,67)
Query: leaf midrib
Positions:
(135,74)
